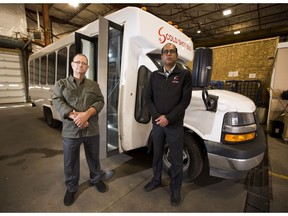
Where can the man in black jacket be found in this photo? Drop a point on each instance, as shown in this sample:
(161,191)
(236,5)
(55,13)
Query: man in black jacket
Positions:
(168,95)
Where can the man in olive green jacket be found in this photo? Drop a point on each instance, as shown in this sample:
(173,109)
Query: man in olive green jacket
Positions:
(79,101)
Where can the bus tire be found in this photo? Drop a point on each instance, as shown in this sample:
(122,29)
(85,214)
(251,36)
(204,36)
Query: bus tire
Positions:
(49,118)
(192,159)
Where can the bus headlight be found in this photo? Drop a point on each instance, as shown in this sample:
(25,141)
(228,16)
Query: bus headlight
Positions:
(238,127)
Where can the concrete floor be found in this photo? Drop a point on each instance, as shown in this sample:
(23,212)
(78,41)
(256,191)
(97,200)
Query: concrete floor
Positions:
(32,179)
(278,172)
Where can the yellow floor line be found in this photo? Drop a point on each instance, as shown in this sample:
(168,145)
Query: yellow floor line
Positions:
(278,175)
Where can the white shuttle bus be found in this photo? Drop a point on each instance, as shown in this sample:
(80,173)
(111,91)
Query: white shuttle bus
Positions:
(123,48)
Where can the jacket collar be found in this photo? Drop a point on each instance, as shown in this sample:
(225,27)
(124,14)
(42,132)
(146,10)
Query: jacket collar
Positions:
(175,69)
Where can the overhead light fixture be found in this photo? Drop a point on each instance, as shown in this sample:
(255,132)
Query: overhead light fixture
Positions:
(199,31)
(74,4)
(237,32)
(227,12)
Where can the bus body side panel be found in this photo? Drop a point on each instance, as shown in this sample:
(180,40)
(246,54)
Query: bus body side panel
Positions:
(41,97)
(135,134)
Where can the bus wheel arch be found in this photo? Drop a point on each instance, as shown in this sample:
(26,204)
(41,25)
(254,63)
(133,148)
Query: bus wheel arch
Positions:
(48,117)
(193,158)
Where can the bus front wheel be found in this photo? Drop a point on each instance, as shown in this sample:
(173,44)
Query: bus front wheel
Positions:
(192,158)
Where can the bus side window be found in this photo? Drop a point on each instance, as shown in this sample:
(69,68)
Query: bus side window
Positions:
(51,68)
(72,53)
(43,70)
(37,68)
(31,72)
(62,63)
(141,112)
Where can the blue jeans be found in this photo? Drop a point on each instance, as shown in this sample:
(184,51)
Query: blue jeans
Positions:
(72,160)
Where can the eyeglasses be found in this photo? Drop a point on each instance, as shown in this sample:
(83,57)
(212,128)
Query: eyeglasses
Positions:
(78,63)
(172,51)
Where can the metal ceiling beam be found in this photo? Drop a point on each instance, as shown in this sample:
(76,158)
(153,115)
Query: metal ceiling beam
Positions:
(29,15)
(80,8)
(241,23)
(186,10)
(121,6)
(46,27)
(55,19)
(233,16)
(182,15)
(210,13)
(283,31)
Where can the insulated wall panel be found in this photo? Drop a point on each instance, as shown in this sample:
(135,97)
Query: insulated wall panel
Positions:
(12,85)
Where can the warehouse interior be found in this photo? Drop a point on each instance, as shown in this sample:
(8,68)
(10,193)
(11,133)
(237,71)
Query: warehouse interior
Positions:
(240,37)
(249,43)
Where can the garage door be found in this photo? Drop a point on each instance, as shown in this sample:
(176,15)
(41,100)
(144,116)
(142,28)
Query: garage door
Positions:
(12,85)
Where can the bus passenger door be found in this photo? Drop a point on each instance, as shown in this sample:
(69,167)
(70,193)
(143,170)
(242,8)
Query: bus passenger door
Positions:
(104,54)
(109,67)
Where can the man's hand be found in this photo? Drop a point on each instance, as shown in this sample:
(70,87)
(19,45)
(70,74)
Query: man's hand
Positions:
(80,119)
(162,121)
(84,125)
(72,115)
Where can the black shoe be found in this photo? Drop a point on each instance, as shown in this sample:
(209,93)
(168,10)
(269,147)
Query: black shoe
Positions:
(175,199)
(69,198)
(101,187)
(151,186)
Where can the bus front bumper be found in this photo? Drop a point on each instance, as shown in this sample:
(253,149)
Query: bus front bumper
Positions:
(235,161)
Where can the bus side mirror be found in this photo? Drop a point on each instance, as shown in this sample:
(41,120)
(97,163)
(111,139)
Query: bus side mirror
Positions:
(210,101)
(201,76)
(202,67)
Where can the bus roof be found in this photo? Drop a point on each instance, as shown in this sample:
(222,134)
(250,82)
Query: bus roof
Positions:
(146,30)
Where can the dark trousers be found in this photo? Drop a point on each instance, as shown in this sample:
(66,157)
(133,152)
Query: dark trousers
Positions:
(72,160)
(174,137)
